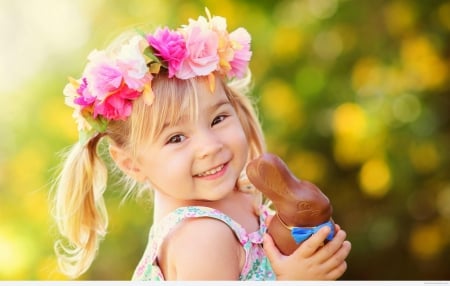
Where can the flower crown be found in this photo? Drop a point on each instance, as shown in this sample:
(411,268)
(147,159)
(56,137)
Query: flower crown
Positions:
(111,81)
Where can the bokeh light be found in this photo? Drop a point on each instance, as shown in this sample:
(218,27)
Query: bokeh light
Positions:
(375,178)
(427,241)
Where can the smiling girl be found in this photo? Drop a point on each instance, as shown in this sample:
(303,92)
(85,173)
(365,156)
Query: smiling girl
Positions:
(174,110)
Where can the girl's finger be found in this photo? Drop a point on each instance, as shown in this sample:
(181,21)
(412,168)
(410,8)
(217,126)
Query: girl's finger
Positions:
(338,257)
(337,272)
(270,249)
(312,244)
(332,246)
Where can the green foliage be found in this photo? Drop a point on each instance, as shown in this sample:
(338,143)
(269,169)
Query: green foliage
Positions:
(354,95)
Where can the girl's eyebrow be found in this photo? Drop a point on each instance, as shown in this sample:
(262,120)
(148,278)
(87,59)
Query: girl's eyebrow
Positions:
(212,108)
(218,104)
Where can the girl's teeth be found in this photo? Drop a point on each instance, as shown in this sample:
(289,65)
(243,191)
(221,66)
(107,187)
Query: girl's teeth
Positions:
(210,172)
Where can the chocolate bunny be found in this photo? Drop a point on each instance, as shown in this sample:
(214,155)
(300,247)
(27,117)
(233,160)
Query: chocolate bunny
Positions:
(301,207)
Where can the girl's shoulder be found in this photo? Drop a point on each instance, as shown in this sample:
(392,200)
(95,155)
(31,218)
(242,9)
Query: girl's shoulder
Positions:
(201,247)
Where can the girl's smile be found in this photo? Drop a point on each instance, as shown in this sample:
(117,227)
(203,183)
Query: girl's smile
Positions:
(214,173)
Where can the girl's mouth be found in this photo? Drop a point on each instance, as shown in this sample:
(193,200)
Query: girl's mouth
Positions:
(213,173)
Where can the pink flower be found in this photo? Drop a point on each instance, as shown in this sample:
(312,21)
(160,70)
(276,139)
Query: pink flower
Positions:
(218,24)
(112,80)
(131,63)
(102,74)
(170,46)
(240,39)
(201,44)
(85,98)
(117,105)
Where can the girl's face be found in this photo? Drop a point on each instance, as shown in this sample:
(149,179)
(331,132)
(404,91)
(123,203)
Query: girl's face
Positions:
(201,158)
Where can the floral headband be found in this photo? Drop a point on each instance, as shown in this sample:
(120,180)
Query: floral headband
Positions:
(111,81)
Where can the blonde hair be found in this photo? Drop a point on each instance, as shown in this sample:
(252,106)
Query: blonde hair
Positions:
(80,210)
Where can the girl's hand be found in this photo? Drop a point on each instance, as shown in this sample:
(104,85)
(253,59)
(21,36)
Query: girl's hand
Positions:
(313,260)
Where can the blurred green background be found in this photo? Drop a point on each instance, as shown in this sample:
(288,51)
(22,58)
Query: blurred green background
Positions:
(354,95)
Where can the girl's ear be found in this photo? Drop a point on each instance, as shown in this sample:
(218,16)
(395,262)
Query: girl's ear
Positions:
(126,163)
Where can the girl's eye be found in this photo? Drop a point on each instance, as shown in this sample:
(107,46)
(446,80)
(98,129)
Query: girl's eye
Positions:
(176,139)
(218,119)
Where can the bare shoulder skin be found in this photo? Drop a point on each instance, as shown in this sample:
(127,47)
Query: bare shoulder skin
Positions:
(201,249)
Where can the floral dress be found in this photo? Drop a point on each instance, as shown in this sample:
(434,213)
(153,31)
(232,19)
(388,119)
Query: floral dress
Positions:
(256,267)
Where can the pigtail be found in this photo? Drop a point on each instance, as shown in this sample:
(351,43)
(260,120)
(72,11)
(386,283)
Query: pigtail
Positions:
(80,210)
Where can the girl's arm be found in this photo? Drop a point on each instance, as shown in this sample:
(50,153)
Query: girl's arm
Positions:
(312,260)
(202,249)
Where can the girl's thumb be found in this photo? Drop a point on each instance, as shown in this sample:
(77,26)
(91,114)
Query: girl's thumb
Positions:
(270,248)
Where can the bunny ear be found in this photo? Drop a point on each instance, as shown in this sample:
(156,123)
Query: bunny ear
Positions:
(267,174)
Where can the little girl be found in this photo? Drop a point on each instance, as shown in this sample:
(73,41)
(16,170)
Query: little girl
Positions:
(173,108)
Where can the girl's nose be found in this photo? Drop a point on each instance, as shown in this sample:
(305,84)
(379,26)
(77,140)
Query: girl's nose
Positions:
(208,143)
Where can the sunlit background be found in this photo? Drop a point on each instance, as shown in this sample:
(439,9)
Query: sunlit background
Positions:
(354,95)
